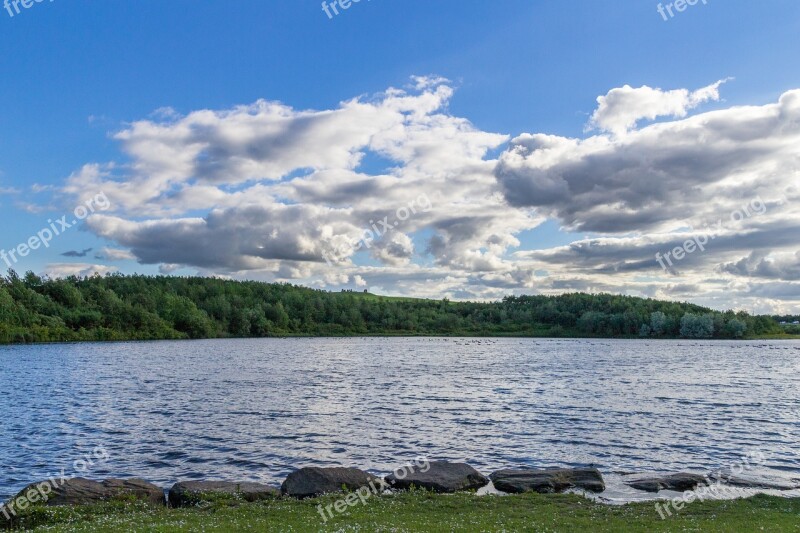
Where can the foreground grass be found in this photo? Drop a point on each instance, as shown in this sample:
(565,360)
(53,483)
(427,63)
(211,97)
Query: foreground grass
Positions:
(420,511)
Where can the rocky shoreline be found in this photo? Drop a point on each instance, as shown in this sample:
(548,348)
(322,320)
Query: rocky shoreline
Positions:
(436,476)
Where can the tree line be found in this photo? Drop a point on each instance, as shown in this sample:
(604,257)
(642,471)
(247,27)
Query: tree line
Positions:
(136,307)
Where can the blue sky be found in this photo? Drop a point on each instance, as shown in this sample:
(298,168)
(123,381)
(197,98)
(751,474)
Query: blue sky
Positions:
(74,73)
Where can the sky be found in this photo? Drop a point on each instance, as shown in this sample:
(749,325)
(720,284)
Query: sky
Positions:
(459,149)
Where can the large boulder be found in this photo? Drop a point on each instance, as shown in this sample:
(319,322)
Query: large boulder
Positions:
(314,481)
(676,482)
(548,480)
(80,491)
(189,493)
(438,476)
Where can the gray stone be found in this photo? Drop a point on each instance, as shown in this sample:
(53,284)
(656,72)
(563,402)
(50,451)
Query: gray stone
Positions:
(754,482)
(676,482)
(80,491)
(438,476)
(548,480)
(314,481)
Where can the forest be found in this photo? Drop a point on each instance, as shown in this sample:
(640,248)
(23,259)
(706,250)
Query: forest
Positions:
(135,307)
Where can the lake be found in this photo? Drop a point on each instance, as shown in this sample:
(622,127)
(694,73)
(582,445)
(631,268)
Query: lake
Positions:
(256,409)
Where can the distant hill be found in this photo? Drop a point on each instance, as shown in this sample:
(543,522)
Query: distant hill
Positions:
(118,307)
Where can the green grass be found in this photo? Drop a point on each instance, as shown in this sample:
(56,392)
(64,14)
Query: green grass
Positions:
(421,511)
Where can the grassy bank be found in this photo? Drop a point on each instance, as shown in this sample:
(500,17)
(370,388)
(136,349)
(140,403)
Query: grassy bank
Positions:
(420,511)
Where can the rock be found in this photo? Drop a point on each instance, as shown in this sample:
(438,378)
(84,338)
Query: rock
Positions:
(80,491)
(438,476)
(747,482)
(314,481)
(189,493)
(138,488)
(548,480)
(677,482)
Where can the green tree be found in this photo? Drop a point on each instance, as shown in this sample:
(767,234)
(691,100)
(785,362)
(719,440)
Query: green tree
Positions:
(735,328)
(658,323)
(697,326)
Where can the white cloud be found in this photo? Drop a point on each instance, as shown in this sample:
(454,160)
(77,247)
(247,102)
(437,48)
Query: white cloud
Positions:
(114,254)
(621,109)
(263,191)
(62,270)
(238,165)
(685,172)
(168,268)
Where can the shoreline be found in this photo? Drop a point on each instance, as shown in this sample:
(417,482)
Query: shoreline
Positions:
(608,487)
(407,336)
(616,492)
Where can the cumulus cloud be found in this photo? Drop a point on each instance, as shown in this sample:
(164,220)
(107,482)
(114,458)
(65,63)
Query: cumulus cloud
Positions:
(762,264)
(665,175)
(621,109)
(281,185)
(730,175)
(63,270)
(115,254)
(394,249)
(168,268)
(265,191)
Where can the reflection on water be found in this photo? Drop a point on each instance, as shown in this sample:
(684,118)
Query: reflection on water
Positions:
(256,409)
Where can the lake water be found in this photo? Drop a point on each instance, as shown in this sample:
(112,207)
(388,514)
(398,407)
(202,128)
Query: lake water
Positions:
(257,409)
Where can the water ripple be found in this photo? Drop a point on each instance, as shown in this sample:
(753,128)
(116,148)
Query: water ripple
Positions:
(256,409)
